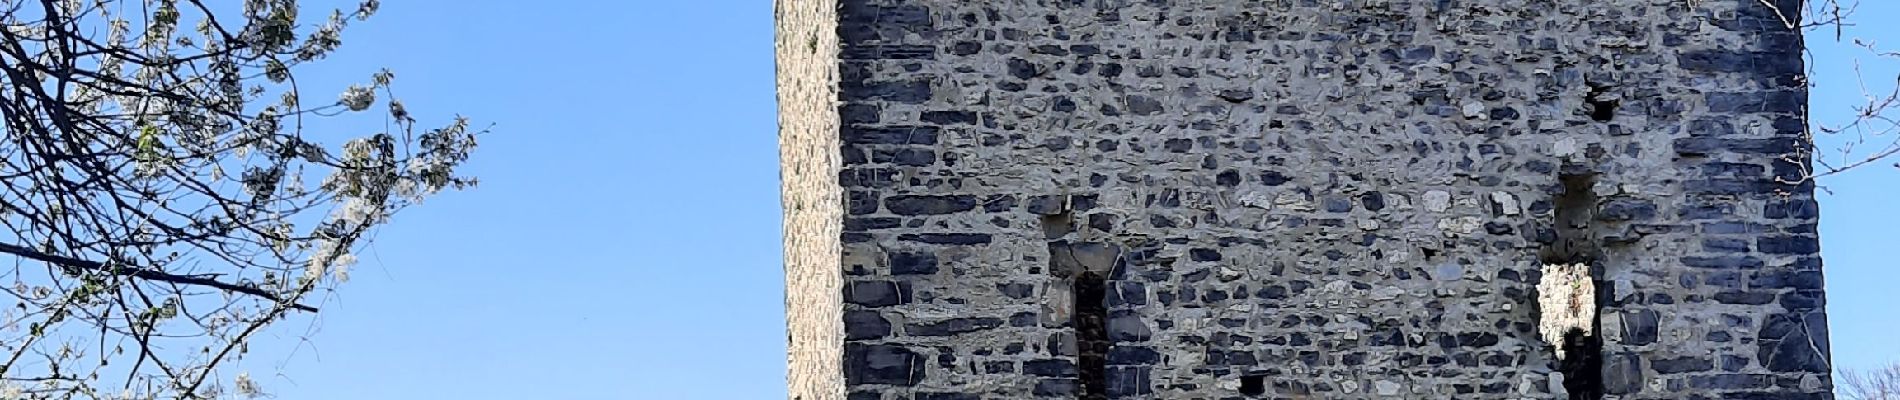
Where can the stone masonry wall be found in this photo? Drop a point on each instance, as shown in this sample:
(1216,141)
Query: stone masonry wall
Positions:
(1288,199)
(806,39)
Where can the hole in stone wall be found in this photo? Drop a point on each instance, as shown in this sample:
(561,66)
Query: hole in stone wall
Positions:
(1601,109)
(1253,385)
(1567,295)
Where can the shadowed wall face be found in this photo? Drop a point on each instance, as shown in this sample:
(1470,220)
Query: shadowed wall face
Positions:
(1307,199)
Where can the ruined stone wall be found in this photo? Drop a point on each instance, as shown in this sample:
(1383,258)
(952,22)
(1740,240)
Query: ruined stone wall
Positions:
(1294,199)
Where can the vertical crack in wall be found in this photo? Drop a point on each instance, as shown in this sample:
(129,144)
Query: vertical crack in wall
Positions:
(1567,297)
(1083,269)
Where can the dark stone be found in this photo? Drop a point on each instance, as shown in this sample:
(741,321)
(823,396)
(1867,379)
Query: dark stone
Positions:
(1227,178)
(999,367)
(1017,290)
(1681,365)
(864,325)
(1803,244)
(857,113)
(947,238)
(999,203)
(1049,50)
(1718,337)
(1726,186)
(1733,170)
(907,92)
(877,293)
(929,205)
(1795,209)
(1178,145)
(948,396)
(1129,382)
(1504,114)
(1477,339)
(952,327)
(861,202)
(1204,255)
(1747,298)
(1235,95)
(1719,228)
(1273,178)
(1126,327)
(1803,300)
(867,224)
(867,177)
(1057,387)
(1732,61)
(1143,105)
(1021,69)
(1622,374)
(1133,355)
(1126,294)
(1640,327)
(949,117)
(966,47)
(1757,102)
(1731,381)
(1626,210)
(1787,279)
(1723,262)
(1336,204)
(860,51)
(913,263)
(876,364)
(1725,245)
(1711,145)
(1373,201)
(1387,335)
(1794,343)
(1046,205)
(1050,368)
(895,135)
(1023,319)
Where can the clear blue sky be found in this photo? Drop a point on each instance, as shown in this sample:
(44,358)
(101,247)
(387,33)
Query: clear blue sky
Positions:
(625,241)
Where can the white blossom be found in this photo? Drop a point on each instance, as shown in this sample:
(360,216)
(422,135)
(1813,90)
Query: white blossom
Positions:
(357,98)
(246,387)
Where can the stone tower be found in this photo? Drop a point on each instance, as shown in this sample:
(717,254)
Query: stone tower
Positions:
(1298,199)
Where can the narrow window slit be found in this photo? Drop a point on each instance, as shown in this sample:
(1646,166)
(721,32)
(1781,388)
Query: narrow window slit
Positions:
(1568,299)
(1082,270)
(1091,334)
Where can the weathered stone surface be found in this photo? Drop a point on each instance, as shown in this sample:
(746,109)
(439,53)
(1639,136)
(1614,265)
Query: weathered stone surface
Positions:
(1311,199)
(863,325)
(882,365)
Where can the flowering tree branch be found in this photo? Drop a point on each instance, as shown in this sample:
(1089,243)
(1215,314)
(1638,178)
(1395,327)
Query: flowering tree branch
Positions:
(168,189)
(148,274)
